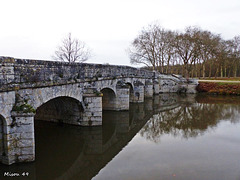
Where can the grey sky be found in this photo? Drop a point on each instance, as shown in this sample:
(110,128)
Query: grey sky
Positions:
(33,29)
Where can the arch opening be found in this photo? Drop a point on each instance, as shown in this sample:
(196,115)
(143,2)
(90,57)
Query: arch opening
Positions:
(2,142)
(62,110)
(108,99)
(131,92)
(58,140)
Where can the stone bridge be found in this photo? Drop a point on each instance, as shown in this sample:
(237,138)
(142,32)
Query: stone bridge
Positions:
(68,93)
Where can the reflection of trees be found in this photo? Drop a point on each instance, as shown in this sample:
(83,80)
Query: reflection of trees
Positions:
(189,120)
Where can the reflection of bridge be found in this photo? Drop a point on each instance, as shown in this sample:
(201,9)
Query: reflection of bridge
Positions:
(68,93)
(99,144)
(98,152)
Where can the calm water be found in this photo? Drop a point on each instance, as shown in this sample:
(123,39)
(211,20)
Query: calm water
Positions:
(169,137)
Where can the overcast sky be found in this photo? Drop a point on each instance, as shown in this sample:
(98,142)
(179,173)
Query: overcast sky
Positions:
(32,29)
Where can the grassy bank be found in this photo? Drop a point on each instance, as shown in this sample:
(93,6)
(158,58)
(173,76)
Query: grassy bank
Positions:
(223,88)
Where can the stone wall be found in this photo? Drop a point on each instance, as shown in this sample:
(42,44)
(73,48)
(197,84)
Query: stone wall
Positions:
(174,83)
(21,73)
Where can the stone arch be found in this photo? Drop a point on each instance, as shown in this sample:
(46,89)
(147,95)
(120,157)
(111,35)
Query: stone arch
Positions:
(39,96)
(2,137)
(62,109)
(109,99)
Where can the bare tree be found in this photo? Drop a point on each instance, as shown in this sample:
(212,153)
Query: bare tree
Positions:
(153,47)
(143,49)
(195,52)
(235,54)
(187,48)
(72,50)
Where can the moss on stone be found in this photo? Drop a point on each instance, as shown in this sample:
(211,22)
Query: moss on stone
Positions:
(25,108)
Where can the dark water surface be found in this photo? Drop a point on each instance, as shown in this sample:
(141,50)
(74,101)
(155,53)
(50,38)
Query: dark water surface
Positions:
(168,137)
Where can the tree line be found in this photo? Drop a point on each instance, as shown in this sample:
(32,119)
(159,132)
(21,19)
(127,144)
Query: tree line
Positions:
(192,53)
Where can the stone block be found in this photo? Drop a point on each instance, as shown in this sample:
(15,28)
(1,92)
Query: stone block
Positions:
(25,135)
(96,114)
(10,137)
(24,120)
(27,151)
(6,70)
(87,114)
(96,118)
(96,109)
(26,158)
(23,143)
(19,129)
(97,100)
(13,151)
(10,159)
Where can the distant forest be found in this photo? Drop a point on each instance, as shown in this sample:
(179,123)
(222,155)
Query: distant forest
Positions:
(192,53)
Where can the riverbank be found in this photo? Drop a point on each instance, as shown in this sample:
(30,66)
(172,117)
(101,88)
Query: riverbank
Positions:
(220,87)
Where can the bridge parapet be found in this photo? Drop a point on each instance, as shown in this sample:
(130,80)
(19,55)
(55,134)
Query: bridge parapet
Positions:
(22,73)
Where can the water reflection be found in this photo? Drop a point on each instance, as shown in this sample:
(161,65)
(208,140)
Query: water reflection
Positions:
(192,118)
(72,152)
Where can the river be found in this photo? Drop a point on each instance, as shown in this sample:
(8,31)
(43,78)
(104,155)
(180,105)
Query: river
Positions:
(171,136)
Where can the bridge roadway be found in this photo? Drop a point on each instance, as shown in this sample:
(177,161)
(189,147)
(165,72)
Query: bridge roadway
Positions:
(70,93)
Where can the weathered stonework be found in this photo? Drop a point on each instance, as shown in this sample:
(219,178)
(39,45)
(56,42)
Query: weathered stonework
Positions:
(138,92)
(73,93)
(122,102)
(20,139)
(156,86)
(148,89)
(92,115)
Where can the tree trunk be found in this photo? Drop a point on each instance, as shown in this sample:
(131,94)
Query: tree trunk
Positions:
(186,74)
(216,72)
(235,71)
(221,72)
(171,69)
(199,71)
(153,67)
(229,72)
(210,70)
(204,71)
(162,64)
(196,72)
